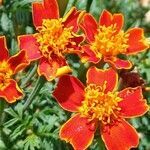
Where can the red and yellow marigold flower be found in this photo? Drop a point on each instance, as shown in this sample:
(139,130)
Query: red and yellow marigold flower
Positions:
(106,40)
(9,66)
(55,38)
(98,105)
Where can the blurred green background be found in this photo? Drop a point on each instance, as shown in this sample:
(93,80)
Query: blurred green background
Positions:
(38,126)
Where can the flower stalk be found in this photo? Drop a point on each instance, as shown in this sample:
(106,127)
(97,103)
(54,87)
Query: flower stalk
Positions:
(39,84)
(88,6)
(2,105)
(29,76)
(2,115)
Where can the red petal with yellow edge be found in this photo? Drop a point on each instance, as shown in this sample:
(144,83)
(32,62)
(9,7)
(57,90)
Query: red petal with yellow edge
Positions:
(11,92)
(136,41)
(29,44)
(89,55)
(77,38)
(120,136)
(78,132)
(47,10)
(107,19)
(118,63)
(3,49)
(133,104)
(89,26)
(50,68)
(72,19)
(18,61)
(107,77)
(74,45)
(69,93)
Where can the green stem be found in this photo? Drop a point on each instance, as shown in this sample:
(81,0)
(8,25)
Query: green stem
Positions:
(2,107)
(70,4)
(100,143)
(62,6)
(2,115)
(29,76)
(88,6)
(74,3)
(40,82)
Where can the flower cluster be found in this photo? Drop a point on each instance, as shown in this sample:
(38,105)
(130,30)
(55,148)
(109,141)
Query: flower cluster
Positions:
(100,106)
(9,66)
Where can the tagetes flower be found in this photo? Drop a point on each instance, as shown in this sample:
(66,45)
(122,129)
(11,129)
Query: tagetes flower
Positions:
(9,66)
(99,104)
(106,40)
(55,37)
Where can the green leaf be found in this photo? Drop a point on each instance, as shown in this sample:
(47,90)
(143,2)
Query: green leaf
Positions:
(2,145)
(5,22)
(11,112)
(17,132)
(19,109)
(32,142)
(11,122)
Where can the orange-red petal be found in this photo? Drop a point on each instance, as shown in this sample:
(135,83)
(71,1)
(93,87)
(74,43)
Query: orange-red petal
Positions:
(133,104)
(89,26)
(107,77)
(46,10)
(72,18)
(18,61)
(11,92)
(69,93)
(120,136)
(107,19)
(3,49)
(30,45)
(136,41)
(77,38)
(88,55)
(78,132)
(118,63)
(49,68)
(74,45)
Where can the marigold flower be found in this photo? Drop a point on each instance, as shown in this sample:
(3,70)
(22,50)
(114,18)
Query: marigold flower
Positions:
(99,104)
(9,66)
(106,40)
(55,37)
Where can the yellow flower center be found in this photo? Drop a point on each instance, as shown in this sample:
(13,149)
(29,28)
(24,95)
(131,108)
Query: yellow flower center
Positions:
(5,74)
(109,42)
(100,106)
(53,37)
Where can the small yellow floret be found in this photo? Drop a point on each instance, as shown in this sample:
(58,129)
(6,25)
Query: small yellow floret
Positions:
(5,74)
(109,42)
(98,105)
(53,37)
